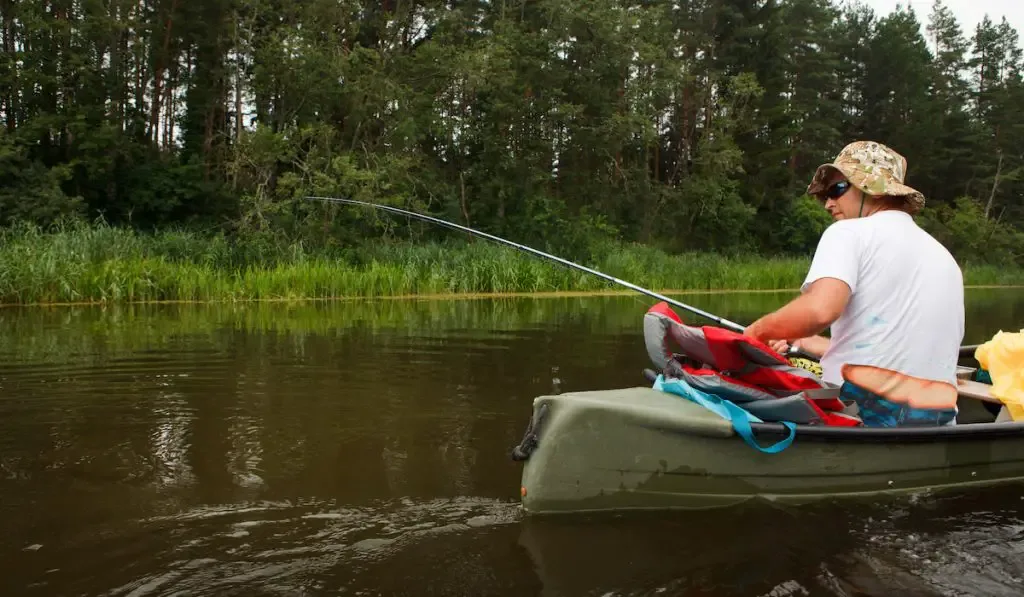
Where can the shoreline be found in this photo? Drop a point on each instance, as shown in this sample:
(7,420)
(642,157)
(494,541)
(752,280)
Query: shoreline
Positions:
(439,297)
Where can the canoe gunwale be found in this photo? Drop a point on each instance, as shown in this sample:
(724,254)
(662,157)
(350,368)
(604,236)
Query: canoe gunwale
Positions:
(963,432)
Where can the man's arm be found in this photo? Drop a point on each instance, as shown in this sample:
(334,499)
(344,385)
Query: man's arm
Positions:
(807,315)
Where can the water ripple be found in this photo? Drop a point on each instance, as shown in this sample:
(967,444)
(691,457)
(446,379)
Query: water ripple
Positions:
(308,539)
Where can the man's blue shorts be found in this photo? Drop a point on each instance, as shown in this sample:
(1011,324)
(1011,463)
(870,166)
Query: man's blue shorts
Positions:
(876,411)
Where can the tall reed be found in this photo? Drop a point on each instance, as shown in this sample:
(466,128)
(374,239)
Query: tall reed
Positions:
(99,263)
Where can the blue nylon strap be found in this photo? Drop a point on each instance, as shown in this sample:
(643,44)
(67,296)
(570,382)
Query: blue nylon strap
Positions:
(729,411)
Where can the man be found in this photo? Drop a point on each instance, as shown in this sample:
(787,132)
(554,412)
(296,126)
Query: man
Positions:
(892,295)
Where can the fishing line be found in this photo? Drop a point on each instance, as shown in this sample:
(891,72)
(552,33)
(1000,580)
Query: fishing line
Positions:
(719,320)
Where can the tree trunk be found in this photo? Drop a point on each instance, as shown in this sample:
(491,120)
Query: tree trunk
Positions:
(465,206)
(239,120)
(160,64)
(11,100)
(995,185)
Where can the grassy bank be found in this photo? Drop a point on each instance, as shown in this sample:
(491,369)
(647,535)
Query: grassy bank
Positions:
(104,264)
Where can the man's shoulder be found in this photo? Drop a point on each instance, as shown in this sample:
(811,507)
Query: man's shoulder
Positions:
(844,232)
(887,231)
(863,224)
(897,231)
(888,224)
(841,227)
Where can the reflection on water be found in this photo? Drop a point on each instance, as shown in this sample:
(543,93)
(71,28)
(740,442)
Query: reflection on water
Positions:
(362,448)
(291,546)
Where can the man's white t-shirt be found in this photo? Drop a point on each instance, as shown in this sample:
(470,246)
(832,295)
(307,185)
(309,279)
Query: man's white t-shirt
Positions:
(906,310)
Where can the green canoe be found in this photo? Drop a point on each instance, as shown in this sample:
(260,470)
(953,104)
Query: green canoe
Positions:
(640,448)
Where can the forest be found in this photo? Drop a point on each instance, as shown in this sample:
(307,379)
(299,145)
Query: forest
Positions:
(676,125)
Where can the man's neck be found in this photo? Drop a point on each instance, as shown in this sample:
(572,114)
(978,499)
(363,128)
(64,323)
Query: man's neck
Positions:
(876,207)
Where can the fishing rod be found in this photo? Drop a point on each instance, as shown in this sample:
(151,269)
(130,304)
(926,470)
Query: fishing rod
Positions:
(964,350)
(719,320)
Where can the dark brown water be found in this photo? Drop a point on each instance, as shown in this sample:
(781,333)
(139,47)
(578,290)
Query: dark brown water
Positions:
(362,449)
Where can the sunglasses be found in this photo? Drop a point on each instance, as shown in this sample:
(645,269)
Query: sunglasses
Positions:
(835,191)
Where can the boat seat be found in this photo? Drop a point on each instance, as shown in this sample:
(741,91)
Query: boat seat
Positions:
(982,392)
(968,388)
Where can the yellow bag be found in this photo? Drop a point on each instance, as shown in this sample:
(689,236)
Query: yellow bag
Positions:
(1003,358)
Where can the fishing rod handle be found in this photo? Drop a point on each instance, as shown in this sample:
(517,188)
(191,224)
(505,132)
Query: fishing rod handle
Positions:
(799,354)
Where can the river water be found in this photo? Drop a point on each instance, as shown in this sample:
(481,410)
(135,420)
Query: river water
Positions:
(362,448)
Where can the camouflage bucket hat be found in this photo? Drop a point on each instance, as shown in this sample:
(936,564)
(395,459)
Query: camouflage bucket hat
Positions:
(874,169)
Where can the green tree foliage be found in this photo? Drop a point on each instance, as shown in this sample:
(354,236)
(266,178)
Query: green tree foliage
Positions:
(684,124)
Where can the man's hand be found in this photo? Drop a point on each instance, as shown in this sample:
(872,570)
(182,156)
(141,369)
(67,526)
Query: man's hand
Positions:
(783,347)
(815,346)
(754,331)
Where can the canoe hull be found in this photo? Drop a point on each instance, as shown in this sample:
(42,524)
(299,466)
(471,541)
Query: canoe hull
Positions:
(640,448)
